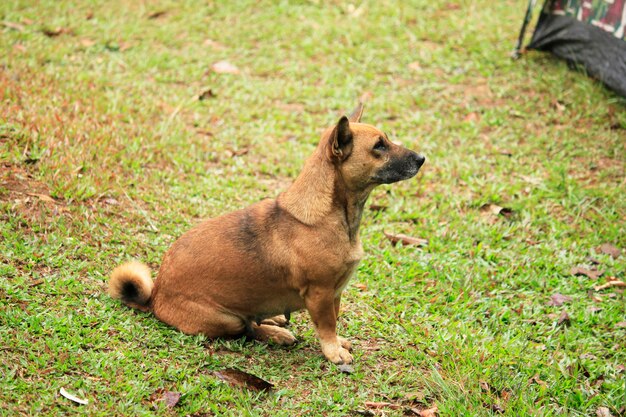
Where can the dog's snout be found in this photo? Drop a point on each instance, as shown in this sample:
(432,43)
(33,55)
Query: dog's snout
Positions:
(419,159)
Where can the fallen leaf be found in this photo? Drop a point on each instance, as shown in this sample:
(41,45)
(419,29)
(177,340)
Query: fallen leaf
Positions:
(609,249)
(603,412)
(171,398)
(237,152)
(496,210)
(206,94)
(621,324)
(225,67)
(590,273)
(52,33)
(378,405)
(430,412)
(72,397)
(612,283)
(537,380)
(558,300)
(564,319)
(495,408)
(505,152)
(205,132)
(592,260)
(378,207)
(157,14)
(415,397)
(361,287)
(42,197)
(405,240)
(242,379)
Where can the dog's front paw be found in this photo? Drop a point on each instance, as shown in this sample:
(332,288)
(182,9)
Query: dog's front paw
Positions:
(345,343)
(336,353)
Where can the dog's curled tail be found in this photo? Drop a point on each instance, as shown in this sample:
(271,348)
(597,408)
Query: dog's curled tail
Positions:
(131,283)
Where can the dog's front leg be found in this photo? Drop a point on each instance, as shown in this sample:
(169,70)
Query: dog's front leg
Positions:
(344,342)
(321,304)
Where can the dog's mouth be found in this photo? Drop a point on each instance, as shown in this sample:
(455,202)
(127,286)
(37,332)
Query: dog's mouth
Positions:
(400,169)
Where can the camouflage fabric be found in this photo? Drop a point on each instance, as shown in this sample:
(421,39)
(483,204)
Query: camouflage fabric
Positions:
(609,15)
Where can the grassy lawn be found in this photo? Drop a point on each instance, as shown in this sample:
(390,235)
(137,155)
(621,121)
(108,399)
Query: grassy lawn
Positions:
(118,133)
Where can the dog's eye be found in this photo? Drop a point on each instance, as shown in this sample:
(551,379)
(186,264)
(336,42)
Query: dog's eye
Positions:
(380,145)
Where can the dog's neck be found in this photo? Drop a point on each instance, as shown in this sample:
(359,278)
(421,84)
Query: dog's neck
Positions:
(318,193)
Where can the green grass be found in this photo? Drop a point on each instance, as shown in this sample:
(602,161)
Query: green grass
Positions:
(104,119)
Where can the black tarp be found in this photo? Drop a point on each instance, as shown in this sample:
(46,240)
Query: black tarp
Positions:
(586,33)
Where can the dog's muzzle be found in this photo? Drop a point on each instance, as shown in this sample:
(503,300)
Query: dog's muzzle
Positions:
(400,168)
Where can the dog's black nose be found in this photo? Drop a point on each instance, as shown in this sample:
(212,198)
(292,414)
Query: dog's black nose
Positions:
(420,160)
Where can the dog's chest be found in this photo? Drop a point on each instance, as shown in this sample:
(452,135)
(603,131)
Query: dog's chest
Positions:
(350,265)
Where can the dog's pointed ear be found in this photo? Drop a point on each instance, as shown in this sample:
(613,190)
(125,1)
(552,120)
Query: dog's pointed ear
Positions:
(355,116)
(341,139)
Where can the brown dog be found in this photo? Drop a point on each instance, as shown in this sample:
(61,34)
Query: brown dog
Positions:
(229,274)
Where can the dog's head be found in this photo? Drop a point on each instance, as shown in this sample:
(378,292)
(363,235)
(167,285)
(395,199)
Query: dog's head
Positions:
(365,156)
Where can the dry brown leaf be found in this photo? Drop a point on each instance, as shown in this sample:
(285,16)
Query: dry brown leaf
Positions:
(206,94)
(361,287)
(237,152)
(603,412)
(225,67)
(157,14)
(537,380)
(558,300)
(42,197)
(430,412)
(382,404)
(52,33)
(612,283)
(609,249)
(242,379)
(496,210)
(406,240)
(590,273)
(171,398)
(378,207)
(564,319)
(621,324)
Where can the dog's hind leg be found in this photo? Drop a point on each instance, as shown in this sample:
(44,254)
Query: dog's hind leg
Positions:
(273,334)
(279,320)
(195,318)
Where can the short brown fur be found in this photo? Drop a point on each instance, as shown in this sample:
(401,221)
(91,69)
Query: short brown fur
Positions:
(227,275)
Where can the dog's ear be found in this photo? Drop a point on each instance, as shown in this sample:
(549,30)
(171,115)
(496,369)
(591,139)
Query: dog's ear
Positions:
(355,117)
(341,139)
